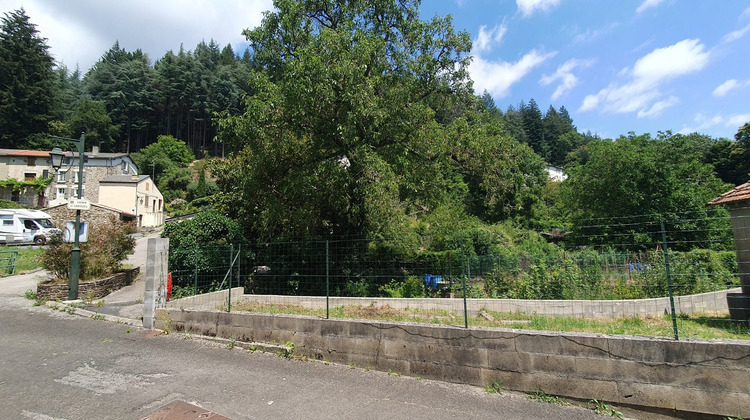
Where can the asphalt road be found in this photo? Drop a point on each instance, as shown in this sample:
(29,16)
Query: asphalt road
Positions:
(57,366)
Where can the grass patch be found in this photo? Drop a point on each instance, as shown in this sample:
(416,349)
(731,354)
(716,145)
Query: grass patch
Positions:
(715,325)
(27,260)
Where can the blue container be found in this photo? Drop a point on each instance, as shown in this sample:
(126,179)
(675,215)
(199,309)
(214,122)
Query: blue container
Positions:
(427,280)
(436,280)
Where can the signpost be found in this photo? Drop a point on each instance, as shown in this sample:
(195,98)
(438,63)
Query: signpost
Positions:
(79,204)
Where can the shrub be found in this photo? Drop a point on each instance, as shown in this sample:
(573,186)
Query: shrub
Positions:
(107,247)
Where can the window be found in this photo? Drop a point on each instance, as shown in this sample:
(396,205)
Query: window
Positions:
(60,193)
(75,176)
(147,188)
(124,167)
(29,176)
(7,222)
(45,174)
(74,192)
(29,224)
(62,177)
(32,161)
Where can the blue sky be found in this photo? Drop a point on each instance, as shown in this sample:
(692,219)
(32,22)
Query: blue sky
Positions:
(616,65)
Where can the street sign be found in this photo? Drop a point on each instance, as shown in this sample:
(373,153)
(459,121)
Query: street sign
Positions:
(79,204)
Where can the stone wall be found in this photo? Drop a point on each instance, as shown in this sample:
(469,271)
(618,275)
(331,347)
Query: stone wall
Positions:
(96,216)
(709,377)
(88,290)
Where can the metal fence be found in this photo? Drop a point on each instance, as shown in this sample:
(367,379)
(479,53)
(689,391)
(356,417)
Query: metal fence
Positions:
(623,271)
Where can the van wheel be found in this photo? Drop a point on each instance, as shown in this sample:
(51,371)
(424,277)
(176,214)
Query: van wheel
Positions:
(39,240)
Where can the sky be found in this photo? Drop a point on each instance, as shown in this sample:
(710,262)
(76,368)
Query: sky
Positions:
(616,65)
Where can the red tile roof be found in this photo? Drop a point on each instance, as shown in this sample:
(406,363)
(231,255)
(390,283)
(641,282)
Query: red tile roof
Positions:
(741,193)
(32,153)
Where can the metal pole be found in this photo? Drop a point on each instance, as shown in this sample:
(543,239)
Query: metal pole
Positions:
(327,282)
(669,281)
(75,254)
(196,270)
(231,266)
(463,284)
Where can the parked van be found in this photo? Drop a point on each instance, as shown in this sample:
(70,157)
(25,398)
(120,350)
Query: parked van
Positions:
(19,226)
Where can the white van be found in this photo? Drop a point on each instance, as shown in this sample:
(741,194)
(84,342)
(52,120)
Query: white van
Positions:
(18,226)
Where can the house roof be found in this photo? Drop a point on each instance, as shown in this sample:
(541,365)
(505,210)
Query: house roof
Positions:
(29,153)
(45,153)
(740,193)
(124,179)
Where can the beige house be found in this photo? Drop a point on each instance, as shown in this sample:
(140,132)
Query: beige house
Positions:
(135,194)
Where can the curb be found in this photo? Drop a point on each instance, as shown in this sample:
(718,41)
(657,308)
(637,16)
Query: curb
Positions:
(74,310)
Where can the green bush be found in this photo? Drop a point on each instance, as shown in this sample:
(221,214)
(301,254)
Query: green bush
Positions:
(108,246)
(411,287)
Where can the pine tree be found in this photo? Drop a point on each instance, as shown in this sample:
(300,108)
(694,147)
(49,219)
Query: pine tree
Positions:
(27,82)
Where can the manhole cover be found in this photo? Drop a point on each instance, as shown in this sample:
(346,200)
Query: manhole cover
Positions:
(180,410)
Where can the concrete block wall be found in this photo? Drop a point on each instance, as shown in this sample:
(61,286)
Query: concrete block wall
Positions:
(711,377)
(713,301)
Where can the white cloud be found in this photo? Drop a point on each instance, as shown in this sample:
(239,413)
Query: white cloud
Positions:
(498,77)
(658,107)
(566,77)
(81,31)
(528,7)
(730,85)
(745,14)
(640,93)
(648,4)
(486,39)
(735,35)
(703,122)
(737,120)
(725,87)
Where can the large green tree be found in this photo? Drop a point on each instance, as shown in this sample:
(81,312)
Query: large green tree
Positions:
(27,82)
(637,181)
(339,137)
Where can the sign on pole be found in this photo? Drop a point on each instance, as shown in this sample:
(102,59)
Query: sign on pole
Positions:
(79,204)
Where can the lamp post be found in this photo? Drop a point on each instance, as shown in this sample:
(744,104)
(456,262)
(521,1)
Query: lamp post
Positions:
(56,157)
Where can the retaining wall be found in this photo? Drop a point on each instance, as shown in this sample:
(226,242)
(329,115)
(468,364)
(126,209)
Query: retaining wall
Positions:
(692,376)
(88,289)
(713,301)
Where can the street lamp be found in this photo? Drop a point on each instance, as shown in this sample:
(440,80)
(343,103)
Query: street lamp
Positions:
(56,158)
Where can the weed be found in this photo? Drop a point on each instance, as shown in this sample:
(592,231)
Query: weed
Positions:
(231,343)
(352,365)
(600,407)
(392,373)
(167,319)
(98,317)
(128,331)
(541,396)
(494,388)
(367,368)
(290,346)
(30,294)
(71,310)
(253,348)
(106,340)
(100,303)
(733,418)
(419,378)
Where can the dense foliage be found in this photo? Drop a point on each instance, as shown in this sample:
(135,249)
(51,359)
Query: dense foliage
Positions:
(107,247)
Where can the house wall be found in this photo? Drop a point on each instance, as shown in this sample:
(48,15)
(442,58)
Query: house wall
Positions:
(96,216)
(150,204)
(144,199)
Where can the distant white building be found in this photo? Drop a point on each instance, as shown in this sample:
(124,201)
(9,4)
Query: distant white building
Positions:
(556,174)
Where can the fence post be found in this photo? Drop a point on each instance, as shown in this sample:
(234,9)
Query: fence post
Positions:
(231,265)
(195,275)
(327,282)
(239,264)
(669,280)
(463,284)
